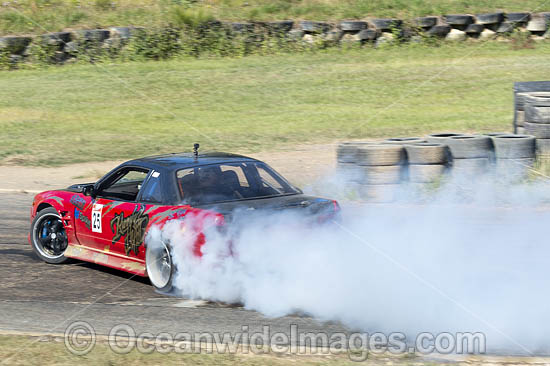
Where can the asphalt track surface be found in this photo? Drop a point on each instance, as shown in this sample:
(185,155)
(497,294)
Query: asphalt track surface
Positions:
(36,297)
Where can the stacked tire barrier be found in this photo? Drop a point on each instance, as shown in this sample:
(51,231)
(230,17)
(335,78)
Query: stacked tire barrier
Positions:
(426,163)
(377,169)
(532,113)
(537,120)
(514,156)
(380,168)
(492,25)
(442,138)
(346,156)
(470,155)
(519,113)
(62,46)
(66,45)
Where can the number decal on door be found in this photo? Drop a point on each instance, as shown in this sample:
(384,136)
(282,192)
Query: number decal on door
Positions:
(96,217)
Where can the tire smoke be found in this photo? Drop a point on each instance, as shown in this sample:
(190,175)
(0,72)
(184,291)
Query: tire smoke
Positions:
(472,256)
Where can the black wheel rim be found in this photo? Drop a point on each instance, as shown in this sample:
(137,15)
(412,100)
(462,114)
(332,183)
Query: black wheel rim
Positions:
(50,237)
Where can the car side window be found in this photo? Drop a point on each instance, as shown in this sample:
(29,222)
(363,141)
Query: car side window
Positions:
(269,181)
(152,191)
(126,184)
(237,176)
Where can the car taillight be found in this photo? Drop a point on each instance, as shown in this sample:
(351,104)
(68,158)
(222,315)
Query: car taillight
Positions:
(219,220)
(329,214)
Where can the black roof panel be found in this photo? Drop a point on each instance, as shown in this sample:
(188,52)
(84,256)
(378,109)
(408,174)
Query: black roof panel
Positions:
(187,159)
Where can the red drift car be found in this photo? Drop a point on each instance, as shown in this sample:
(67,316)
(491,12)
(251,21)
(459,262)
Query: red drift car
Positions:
(106,222)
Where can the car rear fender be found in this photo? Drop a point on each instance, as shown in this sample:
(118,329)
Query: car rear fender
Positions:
(195,220)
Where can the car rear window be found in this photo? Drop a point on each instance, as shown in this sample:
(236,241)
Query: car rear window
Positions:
(231,181)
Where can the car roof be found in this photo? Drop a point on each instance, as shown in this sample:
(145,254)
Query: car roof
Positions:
(186,160)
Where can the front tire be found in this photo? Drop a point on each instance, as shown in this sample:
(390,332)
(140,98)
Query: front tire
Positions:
(48,237)
(160,267)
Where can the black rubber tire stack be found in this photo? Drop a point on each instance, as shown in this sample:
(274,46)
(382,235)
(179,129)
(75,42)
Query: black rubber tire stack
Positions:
(15,44)
(518,19)
(439,31)
(279,28)
(16,48)
(313,31)
(474,30)
(537,120)
(92,35)
(427,164)
(490,21)
(242,28)
(426,23)
(519,113)
(514,156)
(470,156)
(459,24)
(515,21)
(538,25)
(505,28)
(55,44)
(523,90)
(387,28)
(345,159)
(312,27)
(356,31)
(459,21)
(347,168)
(381,167)
(57,39)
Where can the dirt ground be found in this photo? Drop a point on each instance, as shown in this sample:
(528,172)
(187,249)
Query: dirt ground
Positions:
(301,165)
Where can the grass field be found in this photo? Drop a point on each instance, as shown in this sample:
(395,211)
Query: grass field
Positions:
(103,112)
(23,350)
(37,16)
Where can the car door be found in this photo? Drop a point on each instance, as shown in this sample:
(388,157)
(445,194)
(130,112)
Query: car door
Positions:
(117,221)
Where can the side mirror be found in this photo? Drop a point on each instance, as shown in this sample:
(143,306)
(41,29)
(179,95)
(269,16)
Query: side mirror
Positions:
(89,191)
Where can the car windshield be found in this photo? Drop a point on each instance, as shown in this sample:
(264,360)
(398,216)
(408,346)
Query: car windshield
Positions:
(230,182)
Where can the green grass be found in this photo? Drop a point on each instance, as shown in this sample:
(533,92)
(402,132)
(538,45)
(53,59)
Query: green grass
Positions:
(36,16)
(79,113)
(47,350)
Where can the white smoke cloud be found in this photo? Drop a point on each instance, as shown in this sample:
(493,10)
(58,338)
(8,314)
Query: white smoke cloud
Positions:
(473,257)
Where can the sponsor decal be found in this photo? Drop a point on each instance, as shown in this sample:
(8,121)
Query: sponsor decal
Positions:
(177,214)
(96,217)
(78,201)
(79,216)
(57,199)
(131,227)
(169,214)
(109,206)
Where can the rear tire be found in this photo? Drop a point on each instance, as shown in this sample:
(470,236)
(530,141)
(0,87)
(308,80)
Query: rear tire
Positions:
(48,238)
(160,267)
